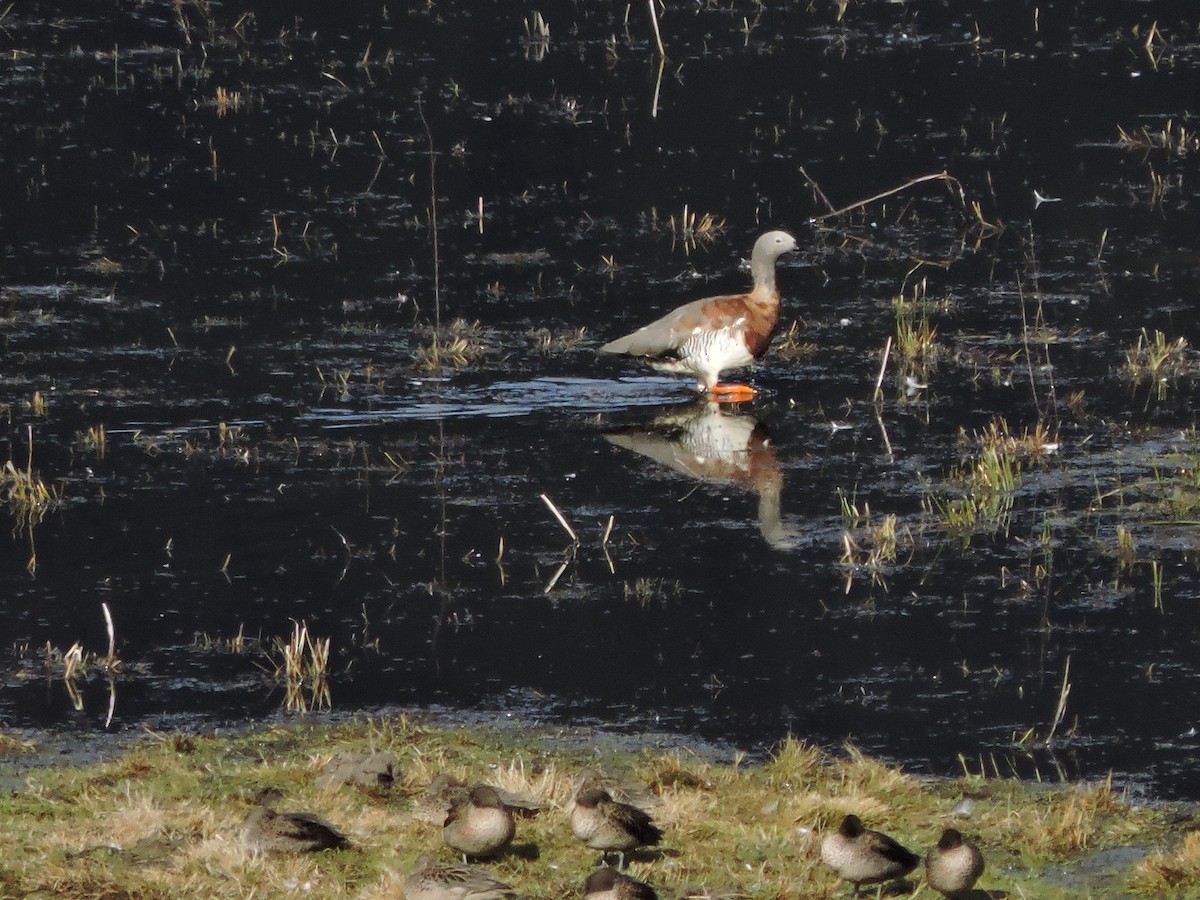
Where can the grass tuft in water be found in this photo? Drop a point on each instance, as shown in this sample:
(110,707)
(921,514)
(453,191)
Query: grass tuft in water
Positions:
(1159,360)
(537,37)
(789,345)
(549,342)
(989,478)
(28,496)
(689,229)
(457,345)
(870,549)
(915,346)
(1175,139)
(301,665)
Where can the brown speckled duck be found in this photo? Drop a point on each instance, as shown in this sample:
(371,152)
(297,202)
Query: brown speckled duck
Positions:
(446,791)
(954,865)
(432,880)
(607,883)
(359,767)
(611,827)
(704,337)
(294,832)
(443,793)
(480,825)
(623,792)
(862,857)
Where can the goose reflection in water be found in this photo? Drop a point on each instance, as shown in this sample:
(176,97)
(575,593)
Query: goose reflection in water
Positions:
(711,443)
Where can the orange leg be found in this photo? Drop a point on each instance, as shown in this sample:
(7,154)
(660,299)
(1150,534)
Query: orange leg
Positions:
(732,393)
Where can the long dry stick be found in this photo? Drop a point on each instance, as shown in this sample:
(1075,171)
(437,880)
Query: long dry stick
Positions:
(1025,343)
(112,636)
(883,431)
(662,62)
(433,227)
(607,530)
(561,521)
(887,351)
(112,701)
(604,544)
(557,575)
(657,33)
(1060,711)
(817,188)
(938,176)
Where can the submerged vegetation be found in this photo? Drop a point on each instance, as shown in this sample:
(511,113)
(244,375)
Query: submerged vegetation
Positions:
(1159,361)
(164,818)
(459,344)
(687,229)
(1174,138)
(301,665)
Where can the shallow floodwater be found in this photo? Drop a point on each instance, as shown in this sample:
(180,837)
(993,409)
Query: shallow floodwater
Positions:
(217,246)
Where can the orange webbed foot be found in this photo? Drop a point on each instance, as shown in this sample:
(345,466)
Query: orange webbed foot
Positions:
(731,393)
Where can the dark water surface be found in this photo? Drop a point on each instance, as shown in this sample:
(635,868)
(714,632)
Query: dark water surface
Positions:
(239,291)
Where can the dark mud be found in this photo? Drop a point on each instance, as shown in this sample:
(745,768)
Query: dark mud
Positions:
(216,245)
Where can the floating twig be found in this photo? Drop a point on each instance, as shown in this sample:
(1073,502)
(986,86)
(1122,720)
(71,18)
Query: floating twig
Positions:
(561,521)
(112,701)
(1060,711)
(943,176)
(612,568)
(349,554)
(110,661)
(657,33)
(1025,342)
(884,432)
(662,62)
(433,224)
(557,575)
(607,530)
(817,189)
(568,558)
(887,351)
(73,663)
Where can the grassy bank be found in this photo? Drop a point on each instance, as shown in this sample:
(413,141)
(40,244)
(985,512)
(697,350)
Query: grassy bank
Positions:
(163,819)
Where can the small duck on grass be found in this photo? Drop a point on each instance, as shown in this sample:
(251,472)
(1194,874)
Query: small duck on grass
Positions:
(291,832)
(623,792)
(606,883)
(864,857)
(432,880)
(480,825)
(954,865)
(446,791)
(360,767)
(611,827)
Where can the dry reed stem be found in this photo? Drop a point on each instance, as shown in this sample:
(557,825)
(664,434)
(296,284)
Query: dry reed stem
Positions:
(942,176)
(657,33)
(559,516)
